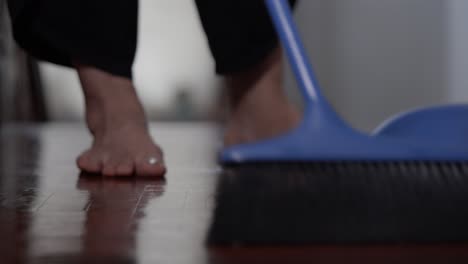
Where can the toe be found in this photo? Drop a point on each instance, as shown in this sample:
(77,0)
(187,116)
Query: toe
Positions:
(109,168)
(145,169)
(125,168)
(88,162)
(109,171)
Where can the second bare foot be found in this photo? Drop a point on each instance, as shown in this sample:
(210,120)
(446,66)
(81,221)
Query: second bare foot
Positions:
(259,107)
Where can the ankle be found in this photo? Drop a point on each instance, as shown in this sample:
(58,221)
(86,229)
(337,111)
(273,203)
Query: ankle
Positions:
(262,80)
(99,85)
(111,101)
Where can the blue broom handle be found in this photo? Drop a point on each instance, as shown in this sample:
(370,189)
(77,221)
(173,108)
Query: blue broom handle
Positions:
(281,14)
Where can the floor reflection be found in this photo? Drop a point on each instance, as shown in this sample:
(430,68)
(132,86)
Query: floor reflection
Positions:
(96,223)
(112,216)
(19,153)
(45,218)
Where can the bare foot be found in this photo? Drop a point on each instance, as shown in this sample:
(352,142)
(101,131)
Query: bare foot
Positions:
(122,145)
(259,108)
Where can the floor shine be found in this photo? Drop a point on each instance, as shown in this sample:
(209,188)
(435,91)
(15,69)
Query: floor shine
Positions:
(52,213)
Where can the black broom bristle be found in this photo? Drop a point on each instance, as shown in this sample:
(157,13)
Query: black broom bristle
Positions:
(341,202)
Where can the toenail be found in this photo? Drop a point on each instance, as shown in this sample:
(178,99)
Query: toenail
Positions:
(152,160)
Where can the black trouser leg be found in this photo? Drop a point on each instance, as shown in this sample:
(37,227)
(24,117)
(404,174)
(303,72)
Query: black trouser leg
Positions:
(240,32)
(101,33)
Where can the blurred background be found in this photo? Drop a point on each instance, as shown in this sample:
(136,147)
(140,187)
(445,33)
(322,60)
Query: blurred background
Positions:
(373,59)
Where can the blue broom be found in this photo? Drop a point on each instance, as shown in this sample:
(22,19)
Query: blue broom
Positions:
(325,182)
(430,134)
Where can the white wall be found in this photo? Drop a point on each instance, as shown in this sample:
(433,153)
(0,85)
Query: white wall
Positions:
(458,50)
(173,54)
(376,58)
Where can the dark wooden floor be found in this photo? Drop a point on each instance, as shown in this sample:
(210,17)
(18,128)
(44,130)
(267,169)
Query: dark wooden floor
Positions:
(49,213)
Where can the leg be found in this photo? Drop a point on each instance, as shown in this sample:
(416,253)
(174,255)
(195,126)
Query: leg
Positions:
(101,48)
(245,48)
